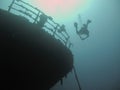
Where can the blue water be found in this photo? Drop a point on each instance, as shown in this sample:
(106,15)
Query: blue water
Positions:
(96,59)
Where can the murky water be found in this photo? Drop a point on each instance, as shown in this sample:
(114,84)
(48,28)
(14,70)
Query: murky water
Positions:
(96,59)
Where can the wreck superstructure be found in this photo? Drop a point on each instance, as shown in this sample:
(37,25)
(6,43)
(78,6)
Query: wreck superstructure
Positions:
(34,15)
(35,49)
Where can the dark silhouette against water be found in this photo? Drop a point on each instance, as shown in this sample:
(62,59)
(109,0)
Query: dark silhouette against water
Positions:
(39,59)
(43,20)
(30,59)
(62,29)
(83,32)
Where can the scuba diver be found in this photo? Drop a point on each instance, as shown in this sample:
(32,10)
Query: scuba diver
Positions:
(83,32)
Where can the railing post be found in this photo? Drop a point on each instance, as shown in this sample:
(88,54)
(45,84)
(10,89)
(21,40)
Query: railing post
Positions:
(54,32)
(58,31)
(36,17)
(67,39)
(11,5)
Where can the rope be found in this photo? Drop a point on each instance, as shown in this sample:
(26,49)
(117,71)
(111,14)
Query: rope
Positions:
(76,77)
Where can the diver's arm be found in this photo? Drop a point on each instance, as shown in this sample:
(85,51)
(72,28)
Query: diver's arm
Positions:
(88,22)
(76,27)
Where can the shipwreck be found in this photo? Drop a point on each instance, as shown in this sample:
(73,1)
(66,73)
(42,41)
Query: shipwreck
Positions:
(35,50)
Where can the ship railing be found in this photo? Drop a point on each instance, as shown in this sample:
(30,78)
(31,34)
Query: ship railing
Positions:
(33,14)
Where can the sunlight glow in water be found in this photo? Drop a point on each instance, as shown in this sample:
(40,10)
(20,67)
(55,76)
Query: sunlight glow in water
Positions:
(60,9)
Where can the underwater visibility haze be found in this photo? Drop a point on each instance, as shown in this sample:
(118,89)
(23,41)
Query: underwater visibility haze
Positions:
(97,58)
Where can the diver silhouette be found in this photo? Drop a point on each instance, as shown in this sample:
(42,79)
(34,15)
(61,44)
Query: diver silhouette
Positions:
(83,32)
(43,20)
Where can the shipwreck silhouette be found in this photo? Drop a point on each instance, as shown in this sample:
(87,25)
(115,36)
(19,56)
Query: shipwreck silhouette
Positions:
(32,58)
(35,50)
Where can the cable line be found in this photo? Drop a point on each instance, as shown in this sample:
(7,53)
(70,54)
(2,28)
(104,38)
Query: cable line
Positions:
(76,77)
